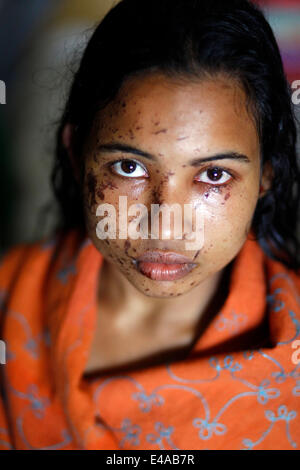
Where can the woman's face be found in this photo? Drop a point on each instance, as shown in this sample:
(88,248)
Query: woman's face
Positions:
(151,144)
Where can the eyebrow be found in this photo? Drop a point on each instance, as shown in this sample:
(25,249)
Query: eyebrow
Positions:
(119,147)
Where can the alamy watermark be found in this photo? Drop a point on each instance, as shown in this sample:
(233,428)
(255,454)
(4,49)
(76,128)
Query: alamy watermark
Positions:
(296,354)
(2,352)
(134,222)
(296,93)
(2,92)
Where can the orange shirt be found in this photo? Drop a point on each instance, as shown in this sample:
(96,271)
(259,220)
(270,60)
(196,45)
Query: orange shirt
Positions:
(232,391)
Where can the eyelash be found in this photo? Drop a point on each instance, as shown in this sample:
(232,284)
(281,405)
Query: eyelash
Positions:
(211,167)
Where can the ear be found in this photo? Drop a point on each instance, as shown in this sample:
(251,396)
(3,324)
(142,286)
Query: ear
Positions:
(266,179)
(67,140)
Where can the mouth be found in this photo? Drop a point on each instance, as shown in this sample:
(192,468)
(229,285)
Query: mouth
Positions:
(164,266)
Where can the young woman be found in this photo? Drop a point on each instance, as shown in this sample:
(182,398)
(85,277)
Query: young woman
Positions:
(142,343)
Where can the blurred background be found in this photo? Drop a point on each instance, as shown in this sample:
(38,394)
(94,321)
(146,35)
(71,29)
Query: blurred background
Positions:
(41,42)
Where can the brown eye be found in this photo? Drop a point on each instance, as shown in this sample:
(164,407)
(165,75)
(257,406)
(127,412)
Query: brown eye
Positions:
(129,168)
(214,175)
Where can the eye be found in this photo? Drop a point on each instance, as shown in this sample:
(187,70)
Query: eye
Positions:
(216,175)
(129,168)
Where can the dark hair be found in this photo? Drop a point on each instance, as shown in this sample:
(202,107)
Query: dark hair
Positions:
(192,39)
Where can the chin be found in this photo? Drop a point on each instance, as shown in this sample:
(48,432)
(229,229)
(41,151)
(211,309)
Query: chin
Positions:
(165,290)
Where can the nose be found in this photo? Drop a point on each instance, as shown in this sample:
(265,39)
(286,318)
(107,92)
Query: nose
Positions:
(171,212)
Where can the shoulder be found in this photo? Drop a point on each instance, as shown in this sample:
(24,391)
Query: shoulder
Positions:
(35,259)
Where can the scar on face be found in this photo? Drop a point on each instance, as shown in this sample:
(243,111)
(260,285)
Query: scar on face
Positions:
(131,134)
(162,131)
(156,196)
(102,188)
(127,245)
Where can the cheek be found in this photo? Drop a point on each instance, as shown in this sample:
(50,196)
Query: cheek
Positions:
(227,214)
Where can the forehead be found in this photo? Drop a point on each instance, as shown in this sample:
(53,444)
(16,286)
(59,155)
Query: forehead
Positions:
(159,108)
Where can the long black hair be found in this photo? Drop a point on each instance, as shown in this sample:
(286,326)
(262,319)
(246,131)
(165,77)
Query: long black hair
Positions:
(190,39)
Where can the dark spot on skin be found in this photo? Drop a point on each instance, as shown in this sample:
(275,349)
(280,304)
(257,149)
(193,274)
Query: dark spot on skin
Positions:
(100,194)
(102,188)
(196,255)
(206,195)
(134,250)
(192,284)
(108,184)
(183,166)
(156,123)
(162,131)
(227,196)
(139,127)
(124,105)
(182,138)
(127,245)
(157,171)
(170,173)
(156,196)
(147,290)
(91,184)
(131,134)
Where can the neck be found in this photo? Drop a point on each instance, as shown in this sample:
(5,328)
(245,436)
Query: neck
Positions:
(131,308)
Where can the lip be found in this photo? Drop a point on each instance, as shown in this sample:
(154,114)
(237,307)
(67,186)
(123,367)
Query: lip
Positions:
(164,266)
(164,257)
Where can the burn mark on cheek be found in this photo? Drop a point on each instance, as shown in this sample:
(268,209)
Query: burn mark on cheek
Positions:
(103,187)
(214,189)
(156,196)
(127,245)
(100,194)
(162,131)
(131,134)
